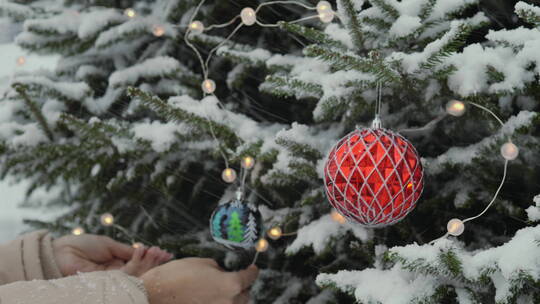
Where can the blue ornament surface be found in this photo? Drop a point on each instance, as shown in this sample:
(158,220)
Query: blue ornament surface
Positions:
(236,225)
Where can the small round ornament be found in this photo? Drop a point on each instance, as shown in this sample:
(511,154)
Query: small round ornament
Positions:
(77,231)
(248,16)
(455,108)
(455,227)
(158,30)
(107,219)
(327,17)
(262,245)
(236,225)
(196,27)
(228,175)
(208,86)
(509,151)
(137,245)
(131,13)
(274,233)
(21,60)
(323,6)
(374,177)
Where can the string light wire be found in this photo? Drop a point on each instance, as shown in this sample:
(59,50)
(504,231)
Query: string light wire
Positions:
(205,63)
(494,196)
(501,184)
(487,110)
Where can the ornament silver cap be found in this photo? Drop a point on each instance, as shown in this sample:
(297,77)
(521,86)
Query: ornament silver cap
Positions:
(239,194)
(377,123)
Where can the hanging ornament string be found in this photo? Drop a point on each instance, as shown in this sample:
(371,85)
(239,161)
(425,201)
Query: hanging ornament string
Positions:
(377,123)
(218,143)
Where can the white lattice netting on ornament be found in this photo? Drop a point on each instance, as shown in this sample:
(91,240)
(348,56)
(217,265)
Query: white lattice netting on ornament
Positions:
(373,177)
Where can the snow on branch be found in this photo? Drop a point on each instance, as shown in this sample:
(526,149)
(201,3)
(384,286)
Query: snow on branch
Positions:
(418,272)
(533,212)
(319,234)
(528,12)
(157,67)
(464,155)
(18,12)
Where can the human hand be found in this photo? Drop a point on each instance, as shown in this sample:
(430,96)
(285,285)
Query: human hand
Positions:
(87,253)
(198,281)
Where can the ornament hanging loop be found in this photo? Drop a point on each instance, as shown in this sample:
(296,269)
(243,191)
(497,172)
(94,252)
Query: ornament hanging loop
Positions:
(239,194)
(377,123)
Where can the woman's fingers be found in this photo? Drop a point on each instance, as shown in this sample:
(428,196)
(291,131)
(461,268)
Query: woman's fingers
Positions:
(242,298)
(115,264)
(248,276)
(119,250)
(240,281)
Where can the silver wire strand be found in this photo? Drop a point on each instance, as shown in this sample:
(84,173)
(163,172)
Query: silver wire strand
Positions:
(487,110)
(494,196)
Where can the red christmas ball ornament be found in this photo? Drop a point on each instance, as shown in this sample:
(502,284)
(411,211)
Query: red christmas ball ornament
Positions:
(373,177)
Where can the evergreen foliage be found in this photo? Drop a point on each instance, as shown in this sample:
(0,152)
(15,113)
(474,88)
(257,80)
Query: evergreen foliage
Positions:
(121,126)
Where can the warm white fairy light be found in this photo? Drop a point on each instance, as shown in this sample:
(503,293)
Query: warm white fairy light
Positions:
(455,227)
(196,27)
(261,245)
(137,245)
(509,151)
(77,231)
(107,219)
(323,6)
(274,233)
(455,108)
(248,16)
(248,162)
(228,175)
(158,30)
(21,60)
(208,86)
(327,16)
(131,13)
(337,217)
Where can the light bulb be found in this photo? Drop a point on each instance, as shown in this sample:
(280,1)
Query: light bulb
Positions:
(248,162)
(327,16)
(275,233)
(248,16)
(229,175)
(137,245)
(455,227)
(509,151)
(323,6)
(261,245)
(77,231)
(337,217)
(208,86)
(21,60)
(131,13)
(196,27)
(158,30)
(107,219)
(455,108)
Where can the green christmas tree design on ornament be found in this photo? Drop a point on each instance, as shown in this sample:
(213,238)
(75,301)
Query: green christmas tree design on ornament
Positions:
(235,229)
